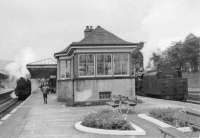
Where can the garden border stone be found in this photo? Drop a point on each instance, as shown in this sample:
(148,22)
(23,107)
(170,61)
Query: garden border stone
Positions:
(138,130)
(163,124)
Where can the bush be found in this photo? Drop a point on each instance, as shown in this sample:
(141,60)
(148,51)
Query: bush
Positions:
(107,119)
(170,116)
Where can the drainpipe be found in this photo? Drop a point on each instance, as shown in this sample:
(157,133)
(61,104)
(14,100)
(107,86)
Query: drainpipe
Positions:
(73,80)
(73,90)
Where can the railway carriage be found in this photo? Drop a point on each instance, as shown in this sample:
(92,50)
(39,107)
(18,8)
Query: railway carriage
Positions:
(164,83)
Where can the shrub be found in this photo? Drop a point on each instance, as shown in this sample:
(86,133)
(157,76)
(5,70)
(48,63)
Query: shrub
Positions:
(107,119)
(170,116)
(123,104)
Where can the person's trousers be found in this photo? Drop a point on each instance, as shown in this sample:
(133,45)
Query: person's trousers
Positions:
(45,97)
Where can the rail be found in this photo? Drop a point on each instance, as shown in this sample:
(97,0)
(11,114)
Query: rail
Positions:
(4,94)
(6,101)
(6,91)
(194,96)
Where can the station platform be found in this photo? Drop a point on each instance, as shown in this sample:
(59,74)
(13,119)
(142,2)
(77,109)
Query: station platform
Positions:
(34,119)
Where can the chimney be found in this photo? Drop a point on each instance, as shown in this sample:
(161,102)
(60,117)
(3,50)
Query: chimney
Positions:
(87,31)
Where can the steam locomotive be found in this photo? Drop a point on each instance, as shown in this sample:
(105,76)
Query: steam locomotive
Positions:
(23,88)
(164,82)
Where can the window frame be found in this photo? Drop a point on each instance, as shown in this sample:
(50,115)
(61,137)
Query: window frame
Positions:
(82,76)
(70,73)
(103,95)
(104,75)
(128,65)
(65,77)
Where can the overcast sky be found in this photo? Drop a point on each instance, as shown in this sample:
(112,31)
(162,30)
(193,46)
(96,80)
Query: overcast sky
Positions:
(39,28)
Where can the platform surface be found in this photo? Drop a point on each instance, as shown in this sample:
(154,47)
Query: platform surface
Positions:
(35,119)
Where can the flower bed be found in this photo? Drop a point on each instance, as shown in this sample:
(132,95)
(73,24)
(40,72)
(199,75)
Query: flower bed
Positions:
(107,119)
(109,122)
(170,116)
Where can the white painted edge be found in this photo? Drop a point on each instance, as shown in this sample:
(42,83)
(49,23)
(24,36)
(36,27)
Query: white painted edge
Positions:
(184,129)
(14,110)
(21,104)
(137,131)
(155,121)
(163,124)
(6,117)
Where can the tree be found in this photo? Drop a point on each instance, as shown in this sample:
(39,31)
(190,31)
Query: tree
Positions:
(191,52)
(180,54)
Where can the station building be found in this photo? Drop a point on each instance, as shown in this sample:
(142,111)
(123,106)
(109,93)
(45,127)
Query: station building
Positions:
(43,69)
(98,66)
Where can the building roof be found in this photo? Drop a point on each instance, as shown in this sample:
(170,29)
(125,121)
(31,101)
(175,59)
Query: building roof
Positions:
(99,37)
(42,68)
(190,36)
(47,61)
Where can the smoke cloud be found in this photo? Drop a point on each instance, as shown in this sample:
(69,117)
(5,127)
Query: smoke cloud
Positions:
(17,68)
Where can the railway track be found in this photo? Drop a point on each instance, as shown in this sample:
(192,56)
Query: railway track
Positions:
(194,97)
(8,106)
(7,103)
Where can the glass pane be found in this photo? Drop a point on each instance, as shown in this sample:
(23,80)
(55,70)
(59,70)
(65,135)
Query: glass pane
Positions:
(107,67)
(104,64)
(121,64)
(90,58)
(100,69)
(124,64)
(68,69)
(86,65)
(62,68)
(117,66)
(124,69)
(90,70)
(107,58)
(100,64)
(82,59)
(82,65)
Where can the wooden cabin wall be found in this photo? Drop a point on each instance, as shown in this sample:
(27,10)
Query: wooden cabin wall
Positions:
(88,90)
(65,91)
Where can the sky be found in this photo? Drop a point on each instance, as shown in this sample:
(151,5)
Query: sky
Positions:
(36,29)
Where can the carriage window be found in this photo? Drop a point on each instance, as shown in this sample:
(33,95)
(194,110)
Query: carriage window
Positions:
(104,64)
(120,63)
(64,69)
(86,65)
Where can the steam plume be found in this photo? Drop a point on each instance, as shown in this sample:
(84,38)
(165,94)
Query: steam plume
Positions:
(17,68)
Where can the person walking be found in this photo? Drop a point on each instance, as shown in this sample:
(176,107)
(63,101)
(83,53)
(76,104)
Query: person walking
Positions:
(44,89)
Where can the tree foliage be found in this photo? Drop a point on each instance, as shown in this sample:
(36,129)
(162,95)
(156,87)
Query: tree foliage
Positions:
(137,60)
(183,55)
